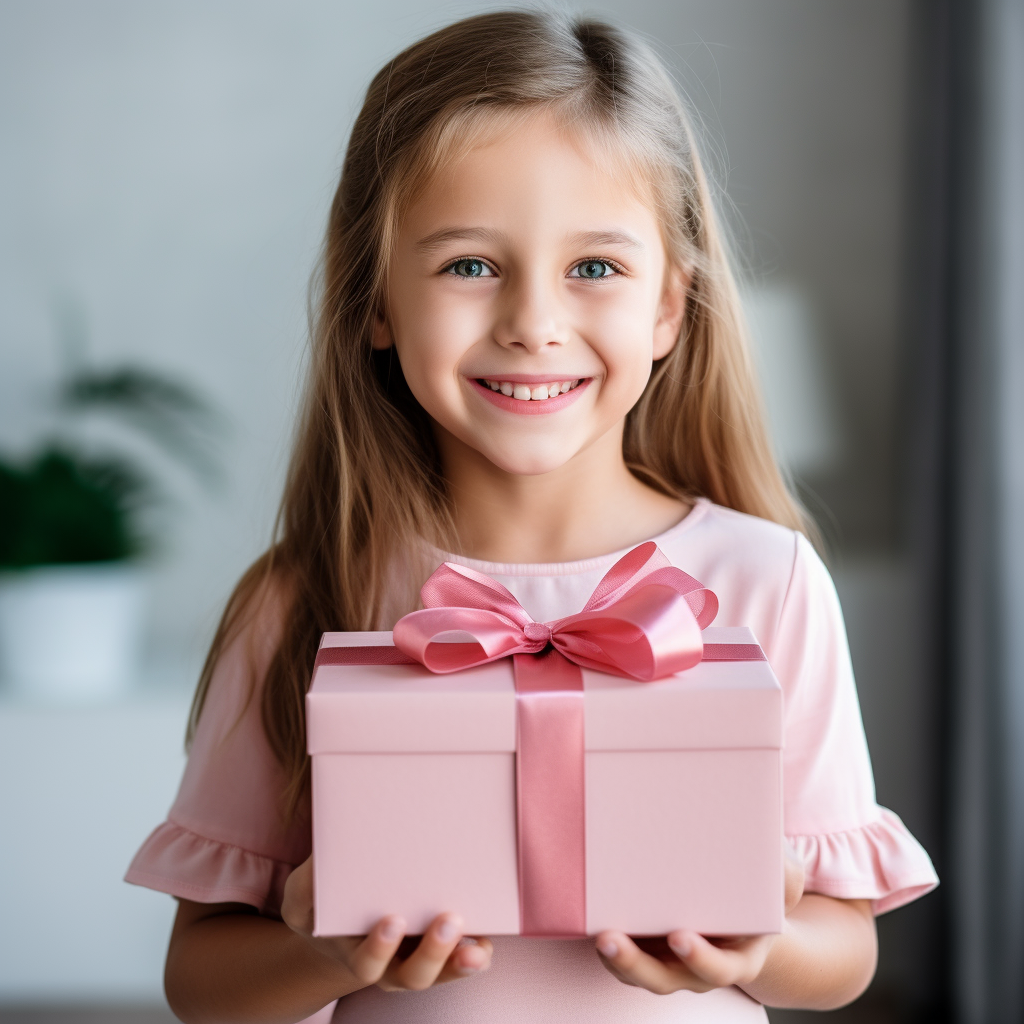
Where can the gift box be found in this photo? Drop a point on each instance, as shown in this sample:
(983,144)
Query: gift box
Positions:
(536,799)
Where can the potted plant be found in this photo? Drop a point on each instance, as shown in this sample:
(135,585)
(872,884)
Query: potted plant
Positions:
(75,518)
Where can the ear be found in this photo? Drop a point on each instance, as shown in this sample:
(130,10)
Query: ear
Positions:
(671,310)
(382,338)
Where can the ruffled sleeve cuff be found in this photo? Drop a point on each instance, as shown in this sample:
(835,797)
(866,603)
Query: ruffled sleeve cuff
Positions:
(185,864)
(880,861)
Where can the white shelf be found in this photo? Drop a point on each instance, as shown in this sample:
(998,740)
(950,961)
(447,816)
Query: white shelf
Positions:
(80,788)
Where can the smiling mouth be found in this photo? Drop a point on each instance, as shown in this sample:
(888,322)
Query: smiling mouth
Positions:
(530,392)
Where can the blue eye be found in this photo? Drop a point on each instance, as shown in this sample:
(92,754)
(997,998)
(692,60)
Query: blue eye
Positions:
(470,268)
(592,269)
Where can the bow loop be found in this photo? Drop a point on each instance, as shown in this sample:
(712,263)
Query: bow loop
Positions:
(452,586)
(626,573)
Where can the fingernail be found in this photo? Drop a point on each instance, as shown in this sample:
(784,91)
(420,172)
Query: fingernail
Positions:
(446,930)
(392,929)
(468,940)
(608,948)
(681,945)
(471,963)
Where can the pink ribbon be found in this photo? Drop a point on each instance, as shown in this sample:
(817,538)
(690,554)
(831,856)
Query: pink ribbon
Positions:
(643,621)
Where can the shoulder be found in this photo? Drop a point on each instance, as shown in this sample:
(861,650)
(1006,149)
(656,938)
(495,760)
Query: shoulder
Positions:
(258,622)
(752,564)
(745,534)
(247,638)
(716,539)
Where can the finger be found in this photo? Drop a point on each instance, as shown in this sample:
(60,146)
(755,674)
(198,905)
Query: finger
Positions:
(421,970)
(371,957)
(617,974)
(471,956)
(738,962)
(632,965)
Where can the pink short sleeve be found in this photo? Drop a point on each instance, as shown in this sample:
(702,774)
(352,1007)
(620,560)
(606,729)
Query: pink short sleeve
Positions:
(850,847)
(227,838)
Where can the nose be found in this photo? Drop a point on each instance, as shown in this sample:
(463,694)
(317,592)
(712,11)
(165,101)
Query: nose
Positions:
(531,318)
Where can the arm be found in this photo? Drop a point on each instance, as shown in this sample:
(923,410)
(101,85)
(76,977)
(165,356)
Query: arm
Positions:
(227,963)
(824,958)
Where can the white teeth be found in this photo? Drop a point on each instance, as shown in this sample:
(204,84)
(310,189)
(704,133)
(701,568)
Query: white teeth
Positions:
(528,393)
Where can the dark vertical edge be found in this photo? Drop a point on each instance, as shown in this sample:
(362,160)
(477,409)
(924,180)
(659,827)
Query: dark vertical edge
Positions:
(928,479)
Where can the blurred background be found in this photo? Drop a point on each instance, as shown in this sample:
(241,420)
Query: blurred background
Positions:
(165,173)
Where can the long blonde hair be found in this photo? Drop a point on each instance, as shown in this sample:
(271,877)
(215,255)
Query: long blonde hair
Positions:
(364,480)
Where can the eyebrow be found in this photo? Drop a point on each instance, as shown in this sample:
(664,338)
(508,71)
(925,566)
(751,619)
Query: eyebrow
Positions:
(585,239)
(601,238)
(431,243)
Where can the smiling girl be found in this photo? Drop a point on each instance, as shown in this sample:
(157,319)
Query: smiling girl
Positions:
(527,357)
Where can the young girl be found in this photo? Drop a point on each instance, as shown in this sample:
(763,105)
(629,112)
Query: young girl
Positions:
(528,358)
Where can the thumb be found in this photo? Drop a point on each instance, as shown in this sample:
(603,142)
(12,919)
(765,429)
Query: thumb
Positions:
(297,903)
(794,877)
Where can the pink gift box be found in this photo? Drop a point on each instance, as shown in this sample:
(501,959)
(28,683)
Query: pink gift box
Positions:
(414,802)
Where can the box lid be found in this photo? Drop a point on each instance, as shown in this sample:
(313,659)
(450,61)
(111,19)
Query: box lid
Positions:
(407,709)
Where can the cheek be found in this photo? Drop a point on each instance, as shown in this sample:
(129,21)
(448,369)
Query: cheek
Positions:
(429,341)
(435,328)
(622,335)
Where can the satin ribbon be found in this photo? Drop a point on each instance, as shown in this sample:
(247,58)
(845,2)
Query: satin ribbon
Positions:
(388,655)
(643,621)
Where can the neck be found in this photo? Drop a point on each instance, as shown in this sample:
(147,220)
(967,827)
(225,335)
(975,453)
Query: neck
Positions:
(590,506)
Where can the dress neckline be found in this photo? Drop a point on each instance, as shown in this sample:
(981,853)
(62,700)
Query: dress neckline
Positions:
(697,512)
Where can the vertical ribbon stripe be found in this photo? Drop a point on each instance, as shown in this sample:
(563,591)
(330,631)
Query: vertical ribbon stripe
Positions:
(550,801)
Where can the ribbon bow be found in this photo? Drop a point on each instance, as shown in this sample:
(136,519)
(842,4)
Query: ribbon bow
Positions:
(643,621)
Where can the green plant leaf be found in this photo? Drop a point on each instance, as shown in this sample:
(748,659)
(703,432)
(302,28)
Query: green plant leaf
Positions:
(171,413)
(65,508)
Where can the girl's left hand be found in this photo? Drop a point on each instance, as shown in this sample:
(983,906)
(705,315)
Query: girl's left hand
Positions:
(683,960)
(686,960)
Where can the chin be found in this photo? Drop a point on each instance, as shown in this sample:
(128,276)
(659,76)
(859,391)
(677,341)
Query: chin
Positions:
(528,463)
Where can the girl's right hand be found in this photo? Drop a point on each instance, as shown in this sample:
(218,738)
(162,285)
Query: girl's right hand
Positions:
(443,954)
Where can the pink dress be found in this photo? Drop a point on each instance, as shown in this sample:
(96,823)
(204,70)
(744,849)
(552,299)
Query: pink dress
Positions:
(224,839)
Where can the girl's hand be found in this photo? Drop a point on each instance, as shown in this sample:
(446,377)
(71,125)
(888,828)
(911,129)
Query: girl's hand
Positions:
(443,954)
(686,960)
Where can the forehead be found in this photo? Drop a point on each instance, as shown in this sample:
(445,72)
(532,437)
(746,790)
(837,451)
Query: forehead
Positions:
(532,170)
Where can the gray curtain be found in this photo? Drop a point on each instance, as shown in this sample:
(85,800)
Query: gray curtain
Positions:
(970,507)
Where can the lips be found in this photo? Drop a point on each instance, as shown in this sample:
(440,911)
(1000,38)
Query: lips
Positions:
(530,394)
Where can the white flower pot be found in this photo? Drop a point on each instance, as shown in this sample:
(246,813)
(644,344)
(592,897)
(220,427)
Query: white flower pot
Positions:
(71,633)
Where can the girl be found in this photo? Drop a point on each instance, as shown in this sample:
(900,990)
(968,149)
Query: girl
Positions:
(527,351)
